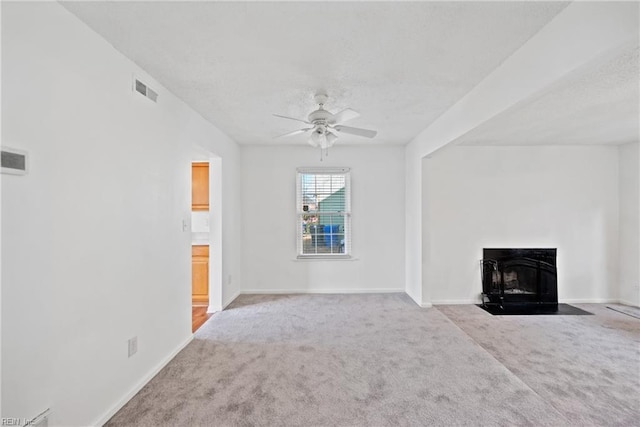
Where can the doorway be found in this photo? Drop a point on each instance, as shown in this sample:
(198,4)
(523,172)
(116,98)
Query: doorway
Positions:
(206,227)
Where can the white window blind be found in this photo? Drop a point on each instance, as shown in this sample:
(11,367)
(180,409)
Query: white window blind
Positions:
(323,207)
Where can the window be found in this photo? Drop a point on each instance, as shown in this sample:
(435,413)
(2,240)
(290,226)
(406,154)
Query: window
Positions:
(324,213)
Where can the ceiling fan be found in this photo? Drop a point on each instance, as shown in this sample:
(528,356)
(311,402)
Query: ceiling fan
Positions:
(325,126)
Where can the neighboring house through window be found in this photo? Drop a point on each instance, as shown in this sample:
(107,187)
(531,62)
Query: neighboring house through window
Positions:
(323,205)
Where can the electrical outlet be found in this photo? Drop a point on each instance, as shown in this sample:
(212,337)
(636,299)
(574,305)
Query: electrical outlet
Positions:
(133,346)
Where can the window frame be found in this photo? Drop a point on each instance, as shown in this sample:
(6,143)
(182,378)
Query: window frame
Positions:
(344,171)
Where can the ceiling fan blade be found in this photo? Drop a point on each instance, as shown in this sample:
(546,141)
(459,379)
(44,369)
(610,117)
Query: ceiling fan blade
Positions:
(295,132)
(291,118)
(356,131)
(344,115)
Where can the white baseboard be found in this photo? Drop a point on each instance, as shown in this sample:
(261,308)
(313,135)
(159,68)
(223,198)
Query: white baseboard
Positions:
(321,291)
(629,303)
(214,308)
(588,300)
(230,300)
(419,303)
(102,420)
(455,301)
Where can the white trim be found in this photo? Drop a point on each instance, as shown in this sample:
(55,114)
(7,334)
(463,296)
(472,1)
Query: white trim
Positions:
(422,304)
(230,300)
(588,301)
(414,299)
(305,258)
(215,233)
(455,301)
(135,389)
(629,303)
(320,169)
(322,291)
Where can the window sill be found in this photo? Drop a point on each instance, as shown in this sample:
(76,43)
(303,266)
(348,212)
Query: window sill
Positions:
(325,258)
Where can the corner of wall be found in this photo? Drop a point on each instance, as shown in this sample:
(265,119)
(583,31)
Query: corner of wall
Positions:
(416,298)
(629,224)
(229,300)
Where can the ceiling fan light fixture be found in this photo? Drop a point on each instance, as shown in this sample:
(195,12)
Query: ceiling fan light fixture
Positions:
(322,138)
(315,138)
(331,139)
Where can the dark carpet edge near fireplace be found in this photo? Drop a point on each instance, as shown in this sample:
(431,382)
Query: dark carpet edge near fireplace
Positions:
(563,310)
(626,310)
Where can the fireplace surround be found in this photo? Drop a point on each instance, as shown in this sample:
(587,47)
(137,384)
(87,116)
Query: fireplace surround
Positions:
(519,279)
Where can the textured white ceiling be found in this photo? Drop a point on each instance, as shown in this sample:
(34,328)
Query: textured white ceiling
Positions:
(399,64)
(599,103)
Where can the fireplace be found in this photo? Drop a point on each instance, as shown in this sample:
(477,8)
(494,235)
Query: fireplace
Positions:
(519,279)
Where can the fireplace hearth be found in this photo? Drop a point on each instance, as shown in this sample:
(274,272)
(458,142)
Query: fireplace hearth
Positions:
(519,280)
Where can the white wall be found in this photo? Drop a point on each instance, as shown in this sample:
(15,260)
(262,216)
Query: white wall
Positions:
(577,35)
(269,221)
(413,224)
(93,247)
(550,197)
(629,224)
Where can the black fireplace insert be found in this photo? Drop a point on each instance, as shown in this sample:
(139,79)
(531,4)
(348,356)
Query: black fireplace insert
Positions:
(519,279)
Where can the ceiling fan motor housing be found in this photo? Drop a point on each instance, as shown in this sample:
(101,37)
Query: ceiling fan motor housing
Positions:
(320,116)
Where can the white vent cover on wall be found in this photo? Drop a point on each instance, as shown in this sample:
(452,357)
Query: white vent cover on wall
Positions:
(14,162)
(145,90)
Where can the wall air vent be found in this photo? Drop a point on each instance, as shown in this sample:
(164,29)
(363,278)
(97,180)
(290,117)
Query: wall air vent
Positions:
(13,161)
(145,90)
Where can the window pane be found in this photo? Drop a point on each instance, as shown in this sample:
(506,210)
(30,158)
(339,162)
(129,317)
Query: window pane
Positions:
(323,221)
(323,185)
(324,193)
(308,181)
(337,182)
(323,238)
(333,202)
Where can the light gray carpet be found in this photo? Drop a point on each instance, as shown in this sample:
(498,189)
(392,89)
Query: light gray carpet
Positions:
(377,359)
(586,367)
